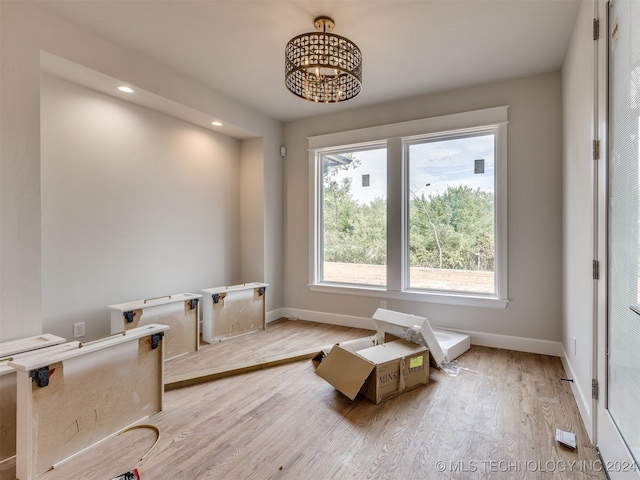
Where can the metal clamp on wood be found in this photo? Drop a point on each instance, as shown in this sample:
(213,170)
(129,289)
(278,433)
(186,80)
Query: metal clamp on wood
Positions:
(41,376)
(193,303)
(261,291)
(129,316)
(155,340)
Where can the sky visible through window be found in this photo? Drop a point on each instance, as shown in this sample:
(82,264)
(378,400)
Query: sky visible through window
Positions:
(439,164)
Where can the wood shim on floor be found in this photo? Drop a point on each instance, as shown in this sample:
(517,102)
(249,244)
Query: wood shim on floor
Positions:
(215,373)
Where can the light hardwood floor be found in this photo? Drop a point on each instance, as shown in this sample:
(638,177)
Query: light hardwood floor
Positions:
(287,423)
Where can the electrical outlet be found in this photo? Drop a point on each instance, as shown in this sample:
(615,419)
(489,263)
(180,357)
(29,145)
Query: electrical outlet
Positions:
(383,304)
(78,330)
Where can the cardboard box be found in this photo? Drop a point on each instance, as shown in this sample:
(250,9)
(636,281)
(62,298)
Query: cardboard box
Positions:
(400,366)
(444,345)
(416,329)
(377,369)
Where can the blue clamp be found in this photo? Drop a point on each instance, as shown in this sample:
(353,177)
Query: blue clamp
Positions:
(41,376)
(155,340)
(193,303)
(129,316)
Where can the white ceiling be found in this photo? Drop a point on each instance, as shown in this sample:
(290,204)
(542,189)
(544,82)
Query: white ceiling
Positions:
(409,48)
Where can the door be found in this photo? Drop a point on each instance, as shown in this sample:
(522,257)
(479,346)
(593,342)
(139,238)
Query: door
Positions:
(618,427)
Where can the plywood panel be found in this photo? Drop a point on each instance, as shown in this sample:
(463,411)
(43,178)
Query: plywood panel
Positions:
(7,415)
(235,311)
(100,389)
(28,344)
(8,383)
(173,310)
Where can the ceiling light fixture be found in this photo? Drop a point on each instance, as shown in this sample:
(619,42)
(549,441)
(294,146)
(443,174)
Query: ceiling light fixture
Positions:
(125,89)
(216,124)
(323,67)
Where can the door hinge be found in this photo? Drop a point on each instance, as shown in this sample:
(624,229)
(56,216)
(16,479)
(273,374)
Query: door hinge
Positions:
(596,149)
(594,388)
(596,270)
(596,29)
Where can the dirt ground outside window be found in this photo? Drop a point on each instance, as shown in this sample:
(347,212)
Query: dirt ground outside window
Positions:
(427,278)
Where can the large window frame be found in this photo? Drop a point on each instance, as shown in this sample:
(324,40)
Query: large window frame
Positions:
(397,136)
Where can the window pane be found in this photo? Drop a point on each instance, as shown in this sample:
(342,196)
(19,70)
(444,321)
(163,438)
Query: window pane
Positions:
(451,214)
(354,217)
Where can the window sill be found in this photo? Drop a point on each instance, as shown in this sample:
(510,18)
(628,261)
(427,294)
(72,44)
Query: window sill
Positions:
(457,299)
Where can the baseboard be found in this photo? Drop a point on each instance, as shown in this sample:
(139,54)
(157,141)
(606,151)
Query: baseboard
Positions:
(274,315)
(508,342)
(330,318)
(583,401)
(520,344)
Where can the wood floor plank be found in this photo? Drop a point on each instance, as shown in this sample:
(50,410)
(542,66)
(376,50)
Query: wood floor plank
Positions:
(286,422)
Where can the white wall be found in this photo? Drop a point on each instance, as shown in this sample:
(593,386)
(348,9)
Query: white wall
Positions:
(577,227)
(534,204)
(135,204)
(20,188)
(25,31)
(252,261)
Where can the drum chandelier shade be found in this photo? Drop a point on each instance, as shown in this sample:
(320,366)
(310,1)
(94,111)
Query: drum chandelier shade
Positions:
(323,67)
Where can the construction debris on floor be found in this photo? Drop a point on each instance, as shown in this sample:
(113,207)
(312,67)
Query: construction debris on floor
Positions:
(391,362)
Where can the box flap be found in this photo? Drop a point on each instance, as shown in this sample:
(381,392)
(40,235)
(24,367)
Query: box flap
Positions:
(410,327)
(390,351)
(359,343)
(345,371)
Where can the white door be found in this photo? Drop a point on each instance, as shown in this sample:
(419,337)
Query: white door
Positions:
(618,405)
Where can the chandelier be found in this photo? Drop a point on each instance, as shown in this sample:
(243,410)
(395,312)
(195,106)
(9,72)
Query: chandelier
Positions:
(323,67)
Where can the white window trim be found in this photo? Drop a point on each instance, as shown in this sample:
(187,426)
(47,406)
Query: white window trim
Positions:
(394,134)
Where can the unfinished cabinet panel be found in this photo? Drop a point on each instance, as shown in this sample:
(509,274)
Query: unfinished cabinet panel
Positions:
(9,351)
(7,413)
(180,312)
(29,344)
(233,310)
(71,400)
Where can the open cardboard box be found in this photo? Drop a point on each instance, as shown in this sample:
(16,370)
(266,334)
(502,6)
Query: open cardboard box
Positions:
(376,367)
(391,324)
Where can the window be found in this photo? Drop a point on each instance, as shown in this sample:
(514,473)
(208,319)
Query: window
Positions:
(414,210)
(451,240)
(354,216)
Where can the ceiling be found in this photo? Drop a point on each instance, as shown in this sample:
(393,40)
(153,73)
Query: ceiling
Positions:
(409,48)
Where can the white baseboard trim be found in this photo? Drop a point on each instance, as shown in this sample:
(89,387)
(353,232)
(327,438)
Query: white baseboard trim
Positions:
(275,314)
(520,344)
(330,318)
(508,342)
(582,400)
